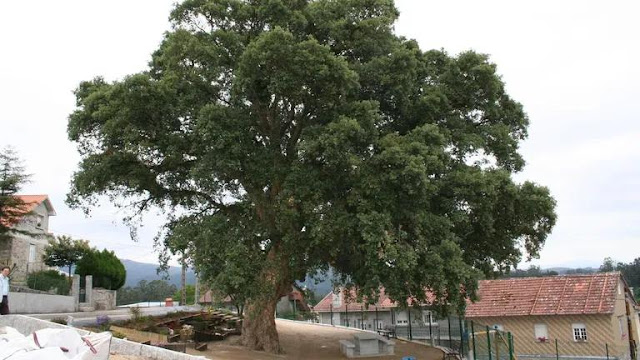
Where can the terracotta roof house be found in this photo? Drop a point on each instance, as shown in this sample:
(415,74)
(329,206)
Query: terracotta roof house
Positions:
(589,315)
(341,309)
(23,252)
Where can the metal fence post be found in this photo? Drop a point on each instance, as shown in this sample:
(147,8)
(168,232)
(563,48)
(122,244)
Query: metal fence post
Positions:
(449,330)
(461,336)
(362,317)
(510,339)
(409,314)
(489,342)
(473,340)
(606,346)
(431,329)
(557,353)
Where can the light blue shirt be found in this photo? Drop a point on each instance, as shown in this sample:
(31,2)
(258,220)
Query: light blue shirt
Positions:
(4,285)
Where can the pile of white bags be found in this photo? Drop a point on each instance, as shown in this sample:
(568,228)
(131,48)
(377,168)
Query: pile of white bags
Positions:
(53,344)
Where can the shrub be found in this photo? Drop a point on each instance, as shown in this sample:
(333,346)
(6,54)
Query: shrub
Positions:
(103,322)
(119,335)
(135,313)
(48,280)
(107,270)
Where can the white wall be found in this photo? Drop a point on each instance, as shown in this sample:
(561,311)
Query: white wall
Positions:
(28,303)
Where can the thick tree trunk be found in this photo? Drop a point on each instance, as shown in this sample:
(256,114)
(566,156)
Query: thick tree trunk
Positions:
(259,326)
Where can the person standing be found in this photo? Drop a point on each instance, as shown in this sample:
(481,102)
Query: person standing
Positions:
(4,290)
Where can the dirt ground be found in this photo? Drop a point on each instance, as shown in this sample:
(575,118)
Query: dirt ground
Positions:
(310,342)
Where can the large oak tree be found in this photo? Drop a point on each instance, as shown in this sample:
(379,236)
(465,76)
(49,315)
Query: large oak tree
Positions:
(291,136)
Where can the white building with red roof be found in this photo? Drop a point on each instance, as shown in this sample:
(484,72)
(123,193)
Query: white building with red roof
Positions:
(23,252)
(590,316)
(342,309)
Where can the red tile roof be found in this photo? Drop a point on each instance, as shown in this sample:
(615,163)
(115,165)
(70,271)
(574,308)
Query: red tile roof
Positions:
(557,295)
(30,203)
(325,305)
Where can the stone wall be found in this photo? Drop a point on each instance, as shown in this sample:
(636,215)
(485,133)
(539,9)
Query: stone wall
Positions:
(103,299)
(5,253)
(30,303)
(20,256)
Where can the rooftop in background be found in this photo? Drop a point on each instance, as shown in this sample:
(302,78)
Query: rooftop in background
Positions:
(384,301)
(556,295)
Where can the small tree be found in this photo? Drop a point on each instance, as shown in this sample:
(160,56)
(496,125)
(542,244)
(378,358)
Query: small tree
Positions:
(12,177)
(107,270)
(190,291)
(64,251)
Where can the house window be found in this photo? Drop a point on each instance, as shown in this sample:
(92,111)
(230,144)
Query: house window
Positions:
(380,325)
(579,332)
(541,332)
(622,322)
(402,322)
(32,253)
(427,317)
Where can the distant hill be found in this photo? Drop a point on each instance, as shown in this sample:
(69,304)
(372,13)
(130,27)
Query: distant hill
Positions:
(137,271)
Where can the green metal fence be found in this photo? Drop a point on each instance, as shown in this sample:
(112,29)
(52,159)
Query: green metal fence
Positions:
(486,343)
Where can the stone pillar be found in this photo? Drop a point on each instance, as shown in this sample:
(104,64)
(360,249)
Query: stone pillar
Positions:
(75,290)
(88,280)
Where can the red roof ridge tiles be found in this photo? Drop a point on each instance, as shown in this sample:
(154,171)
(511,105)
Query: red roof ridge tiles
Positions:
(557,295)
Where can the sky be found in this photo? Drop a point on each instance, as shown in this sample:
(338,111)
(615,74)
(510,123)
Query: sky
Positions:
(572,64)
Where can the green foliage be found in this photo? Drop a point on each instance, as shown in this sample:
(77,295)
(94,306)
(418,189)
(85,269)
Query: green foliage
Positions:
(191,295)
(107,270)
(294,136)
(12,177)
(48,280)
(630,272)
(156,290)
(63,251)
(136,313)
(533,271)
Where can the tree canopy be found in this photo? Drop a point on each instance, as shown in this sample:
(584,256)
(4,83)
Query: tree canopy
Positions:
(155,290)
(63,251)
(290,136)
(12,178)
(630,271)
(107,270)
